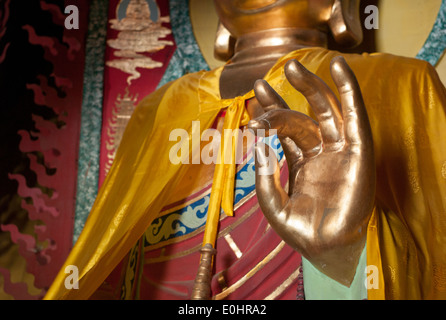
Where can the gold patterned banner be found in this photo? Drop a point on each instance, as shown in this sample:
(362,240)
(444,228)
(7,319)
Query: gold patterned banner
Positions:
(140,45)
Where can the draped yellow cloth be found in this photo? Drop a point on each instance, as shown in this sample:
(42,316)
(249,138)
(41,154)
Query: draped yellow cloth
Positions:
(407,232)
(223,183)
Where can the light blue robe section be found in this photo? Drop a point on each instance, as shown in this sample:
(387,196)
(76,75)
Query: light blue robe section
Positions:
(318,286)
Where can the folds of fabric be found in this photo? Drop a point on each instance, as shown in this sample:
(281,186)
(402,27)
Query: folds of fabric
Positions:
(135,188)
(223,183)
(405,101)
(408,123)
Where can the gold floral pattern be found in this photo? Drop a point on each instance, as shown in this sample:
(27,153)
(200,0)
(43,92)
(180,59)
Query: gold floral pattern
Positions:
(443,170)
(413,175)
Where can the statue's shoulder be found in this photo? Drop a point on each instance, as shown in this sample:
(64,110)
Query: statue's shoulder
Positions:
(378,64)
(379,71)
(179,99)
(391,65)
(185,87)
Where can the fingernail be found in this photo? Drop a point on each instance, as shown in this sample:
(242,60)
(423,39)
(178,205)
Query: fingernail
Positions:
(259,124)
(254,124)
(294,66)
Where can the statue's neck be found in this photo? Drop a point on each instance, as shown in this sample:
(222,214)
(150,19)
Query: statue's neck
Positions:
(256,53)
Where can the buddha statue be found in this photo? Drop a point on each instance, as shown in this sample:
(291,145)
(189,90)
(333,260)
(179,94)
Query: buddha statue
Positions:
(358,183)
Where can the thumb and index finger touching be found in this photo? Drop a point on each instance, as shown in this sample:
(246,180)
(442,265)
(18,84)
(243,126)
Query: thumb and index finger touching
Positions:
(339,121)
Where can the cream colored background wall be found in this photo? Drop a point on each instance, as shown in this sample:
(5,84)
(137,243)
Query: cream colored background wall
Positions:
(404,26)
(204,23)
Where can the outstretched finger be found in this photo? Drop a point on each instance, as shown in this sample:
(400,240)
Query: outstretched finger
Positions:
(270,193)
(268,98)
(356,121)
(322,100)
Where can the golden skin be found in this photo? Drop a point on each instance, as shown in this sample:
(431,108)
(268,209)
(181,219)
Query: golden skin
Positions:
(324,215)
(247,16)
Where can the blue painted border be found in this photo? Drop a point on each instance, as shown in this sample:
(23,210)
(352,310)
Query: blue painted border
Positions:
(435,45)
(187,58)
(193,216)
(91,116)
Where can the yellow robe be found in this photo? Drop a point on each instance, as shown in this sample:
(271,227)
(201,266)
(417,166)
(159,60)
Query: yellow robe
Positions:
(406,103)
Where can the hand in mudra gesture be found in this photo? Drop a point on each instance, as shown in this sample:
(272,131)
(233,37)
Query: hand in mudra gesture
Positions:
(325,213)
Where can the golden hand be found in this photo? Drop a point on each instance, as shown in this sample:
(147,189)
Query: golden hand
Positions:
(331,194)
